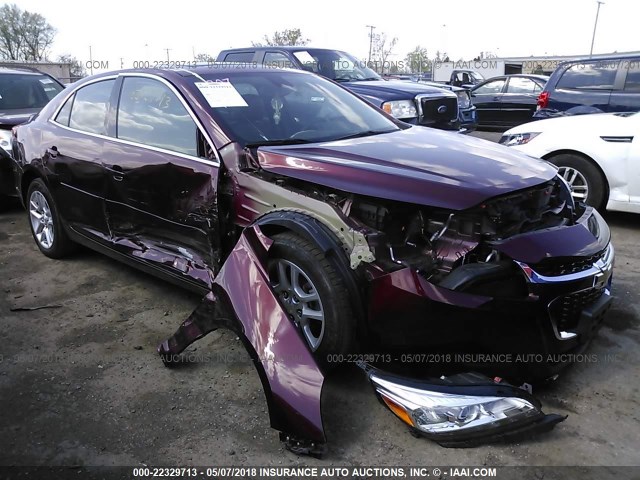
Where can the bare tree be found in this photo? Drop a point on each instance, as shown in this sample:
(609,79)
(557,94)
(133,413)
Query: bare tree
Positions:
(382,49)
(203,57)
(76,70)
(417,60)
(38,36)
(11,35)
(24,35)
(289,36)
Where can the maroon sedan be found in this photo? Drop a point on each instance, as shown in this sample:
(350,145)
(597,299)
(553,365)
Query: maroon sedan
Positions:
(325,231)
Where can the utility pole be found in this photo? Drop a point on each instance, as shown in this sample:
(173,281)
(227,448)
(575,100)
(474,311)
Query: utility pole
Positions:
(595,25)
(90,60)
(167,50)
(371,28)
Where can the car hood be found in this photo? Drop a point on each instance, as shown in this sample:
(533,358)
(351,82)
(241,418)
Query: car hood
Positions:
(416,165)
(601,123)
(396,87)
(16,117)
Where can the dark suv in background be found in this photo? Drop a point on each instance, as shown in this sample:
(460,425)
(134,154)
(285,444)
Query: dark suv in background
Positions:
(610,84)
(410,102)
(22,93)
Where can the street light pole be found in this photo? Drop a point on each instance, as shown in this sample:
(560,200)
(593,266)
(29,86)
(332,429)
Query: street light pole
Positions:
(90,60)
(595,25)
(370,27)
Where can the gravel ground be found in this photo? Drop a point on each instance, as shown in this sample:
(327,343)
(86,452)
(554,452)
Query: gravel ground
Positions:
(81,384)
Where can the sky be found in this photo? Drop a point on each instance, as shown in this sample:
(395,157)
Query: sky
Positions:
(122,32)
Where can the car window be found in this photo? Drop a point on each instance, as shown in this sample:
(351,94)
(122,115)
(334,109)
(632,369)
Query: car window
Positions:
(338,66)
(595,75)
(26,91)
(89,110)
(65,112)
(277,60)
(490,87)
(632,84)
(240,57)
(149,113)
(287,106)
(522,85)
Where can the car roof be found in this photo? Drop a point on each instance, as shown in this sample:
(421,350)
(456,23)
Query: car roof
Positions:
(289,48)
(21,71)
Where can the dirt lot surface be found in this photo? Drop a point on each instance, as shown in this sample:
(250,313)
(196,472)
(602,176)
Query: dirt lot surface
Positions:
(81,384)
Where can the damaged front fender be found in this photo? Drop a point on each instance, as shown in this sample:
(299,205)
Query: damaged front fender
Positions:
(464,411)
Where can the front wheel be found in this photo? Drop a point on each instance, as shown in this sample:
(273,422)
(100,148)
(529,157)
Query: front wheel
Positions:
(313,295)
(587,183)
(45,223)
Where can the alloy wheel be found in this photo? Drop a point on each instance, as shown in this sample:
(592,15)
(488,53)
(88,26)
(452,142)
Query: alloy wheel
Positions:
(577,182)
(41,219)
(300,299)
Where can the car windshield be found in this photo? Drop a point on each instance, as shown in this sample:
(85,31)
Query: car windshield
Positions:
(338,66)
(476,77)
(26,91)
(262,107)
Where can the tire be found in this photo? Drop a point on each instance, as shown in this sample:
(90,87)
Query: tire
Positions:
(315,275)
(587,174)
(47,230)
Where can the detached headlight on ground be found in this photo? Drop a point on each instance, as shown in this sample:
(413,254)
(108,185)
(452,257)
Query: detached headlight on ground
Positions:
(401,108)
(463,414)
(518,138)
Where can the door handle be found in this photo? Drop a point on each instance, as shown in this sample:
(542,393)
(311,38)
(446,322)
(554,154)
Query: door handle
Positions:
(117,172)
(52,151)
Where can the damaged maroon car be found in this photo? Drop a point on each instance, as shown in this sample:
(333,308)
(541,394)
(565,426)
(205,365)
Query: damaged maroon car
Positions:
(324,231)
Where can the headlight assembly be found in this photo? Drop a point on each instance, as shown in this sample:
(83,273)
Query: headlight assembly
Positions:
(518,138)
(401,108)
(5,140)
(464,101)
(462,414)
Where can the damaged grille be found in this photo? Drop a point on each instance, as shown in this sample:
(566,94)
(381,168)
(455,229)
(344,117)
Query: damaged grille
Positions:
(566,310)
(553,267)
(436,110)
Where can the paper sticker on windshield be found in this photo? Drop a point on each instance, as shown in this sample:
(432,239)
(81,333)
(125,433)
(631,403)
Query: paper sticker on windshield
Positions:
(304,57)
(221,94)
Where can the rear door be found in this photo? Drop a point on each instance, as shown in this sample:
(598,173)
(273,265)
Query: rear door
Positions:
(487,99)
(72,146)
(626,96)
(519,101)
(162,182)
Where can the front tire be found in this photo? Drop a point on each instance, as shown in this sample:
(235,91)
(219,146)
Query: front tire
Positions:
(313,294)
(587,183)
(44,220)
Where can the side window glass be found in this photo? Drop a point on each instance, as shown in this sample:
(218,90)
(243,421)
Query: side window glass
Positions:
(521,85)
(594,75)
(149,113)
(491,87)
(65,112)
(239,57)
(89,111)
(277,60)
(632,83)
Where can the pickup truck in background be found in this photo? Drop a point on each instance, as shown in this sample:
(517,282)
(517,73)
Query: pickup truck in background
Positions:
(411,102)
(471,73)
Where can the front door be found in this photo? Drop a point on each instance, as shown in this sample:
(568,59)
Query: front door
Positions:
(162,183)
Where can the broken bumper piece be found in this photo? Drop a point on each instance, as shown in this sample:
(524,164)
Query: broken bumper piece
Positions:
(463,410)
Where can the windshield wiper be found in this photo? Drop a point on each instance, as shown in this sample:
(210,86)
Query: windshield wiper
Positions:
(366,133)
(268,143)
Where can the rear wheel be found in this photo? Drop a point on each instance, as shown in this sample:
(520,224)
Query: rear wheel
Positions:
(587,184)
(46,227)
(313,294)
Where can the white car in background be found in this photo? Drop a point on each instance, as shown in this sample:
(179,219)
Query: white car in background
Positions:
(598,155)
